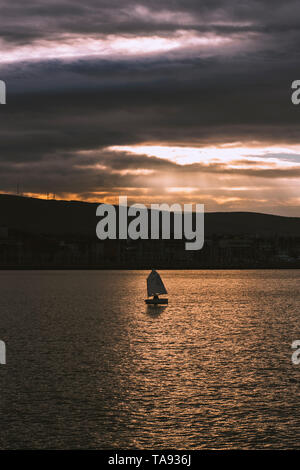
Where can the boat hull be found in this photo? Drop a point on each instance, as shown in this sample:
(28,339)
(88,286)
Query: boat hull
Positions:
(156,301)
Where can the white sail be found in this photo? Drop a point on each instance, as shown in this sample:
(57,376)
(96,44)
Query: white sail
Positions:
(155,286)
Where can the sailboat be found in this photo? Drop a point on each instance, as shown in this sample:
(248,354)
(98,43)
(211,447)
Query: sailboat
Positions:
(155,287)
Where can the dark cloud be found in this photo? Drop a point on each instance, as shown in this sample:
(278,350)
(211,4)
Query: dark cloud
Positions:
(45,19)
(58,108)
(54,107)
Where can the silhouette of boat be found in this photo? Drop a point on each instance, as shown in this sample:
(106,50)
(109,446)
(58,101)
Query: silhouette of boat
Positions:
(155,287)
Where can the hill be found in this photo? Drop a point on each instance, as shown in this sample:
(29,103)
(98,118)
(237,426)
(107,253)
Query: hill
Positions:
(52,217)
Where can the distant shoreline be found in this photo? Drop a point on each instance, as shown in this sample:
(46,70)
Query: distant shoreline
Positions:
(145,268)
(56,235)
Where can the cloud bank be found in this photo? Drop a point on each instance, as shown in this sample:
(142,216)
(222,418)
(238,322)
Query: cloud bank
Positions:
(93,88)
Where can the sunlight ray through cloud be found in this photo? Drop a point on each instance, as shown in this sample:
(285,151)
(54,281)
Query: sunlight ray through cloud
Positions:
(70,46)
(232,156)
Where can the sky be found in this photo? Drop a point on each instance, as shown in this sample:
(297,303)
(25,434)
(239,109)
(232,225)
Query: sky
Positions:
(163,101)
